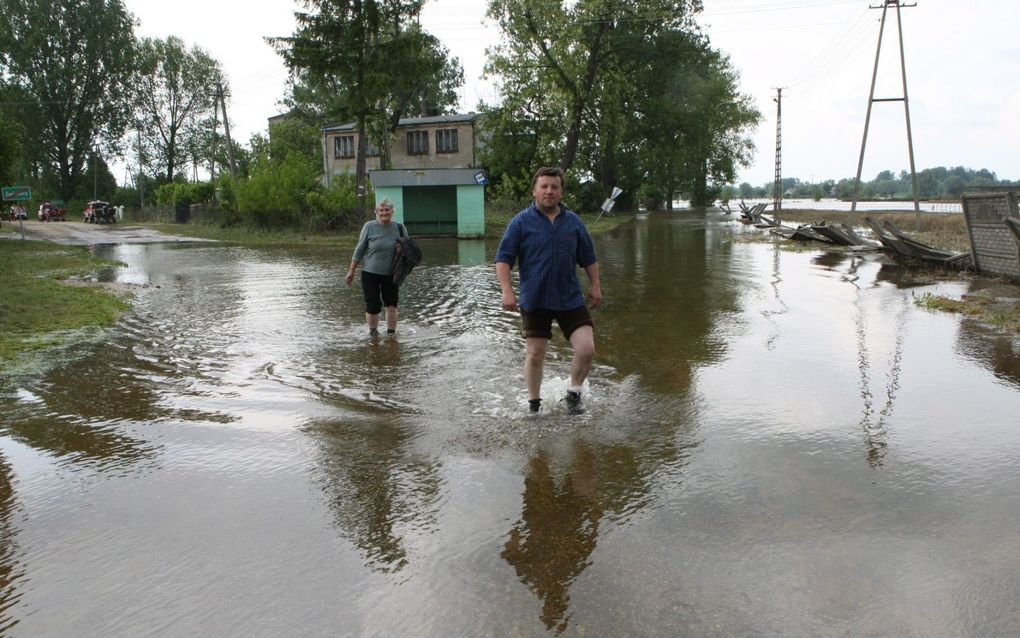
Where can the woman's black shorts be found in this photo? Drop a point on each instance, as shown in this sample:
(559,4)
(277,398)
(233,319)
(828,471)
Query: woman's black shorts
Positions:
(379,291)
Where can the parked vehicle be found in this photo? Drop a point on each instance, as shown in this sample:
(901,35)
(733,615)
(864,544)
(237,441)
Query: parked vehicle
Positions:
(51,212)
(99,212)
(17,212)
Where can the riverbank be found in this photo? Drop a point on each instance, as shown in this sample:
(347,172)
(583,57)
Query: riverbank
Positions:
(47,297)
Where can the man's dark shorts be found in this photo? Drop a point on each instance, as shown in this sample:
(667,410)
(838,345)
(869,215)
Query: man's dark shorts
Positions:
(538,322)
(379,291)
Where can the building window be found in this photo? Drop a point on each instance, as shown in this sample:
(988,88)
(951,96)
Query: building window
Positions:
(343,146)
(372,150)
(418,143)
(446,140)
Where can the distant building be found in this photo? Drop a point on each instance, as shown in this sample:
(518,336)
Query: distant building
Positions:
(441,141)
(433,178)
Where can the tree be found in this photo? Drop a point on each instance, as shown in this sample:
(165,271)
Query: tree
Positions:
(558,60)
(691,119)
(365,50)
(176,93)
(424,83)
(73,58)
(10,150)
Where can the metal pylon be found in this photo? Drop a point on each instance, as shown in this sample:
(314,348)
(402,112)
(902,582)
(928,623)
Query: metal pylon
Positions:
(906,109)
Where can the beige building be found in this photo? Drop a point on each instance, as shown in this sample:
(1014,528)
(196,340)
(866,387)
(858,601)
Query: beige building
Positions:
(439,142)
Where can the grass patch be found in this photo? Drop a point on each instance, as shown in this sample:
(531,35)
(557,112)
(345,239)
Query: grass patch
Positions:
(1004,315)
(36,309)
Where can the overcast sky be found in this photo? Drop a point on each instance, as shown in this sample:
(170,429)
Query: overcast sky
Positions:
(962,62)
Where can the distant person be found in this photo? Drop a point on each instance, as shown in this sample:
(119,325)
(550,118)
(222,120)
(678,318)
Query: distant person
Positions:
(548,242)
(376,248)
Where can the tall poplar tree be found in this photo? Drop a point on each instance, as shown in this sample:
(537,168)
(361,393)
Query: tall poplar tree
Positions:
(177,94)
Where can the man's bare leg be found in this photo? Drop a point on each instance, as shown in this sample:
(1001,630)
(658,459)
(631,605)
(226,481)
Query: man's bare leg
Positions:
(583,341)
(534,362)
(391,318)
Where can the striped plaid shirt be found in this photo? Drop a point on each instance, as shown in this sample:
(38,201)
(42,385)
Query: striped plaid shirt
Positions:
(547,255)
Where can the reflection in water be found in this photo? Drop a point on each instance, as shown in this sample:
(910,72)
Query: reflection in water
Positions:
(377,490)
(574,494)
(774,281)
(668,305)
(986,345)
(11,570)
(551,544)
(715,485)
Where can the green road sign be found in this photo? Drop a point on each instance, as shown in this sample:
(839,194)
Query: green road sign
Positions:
(17,193)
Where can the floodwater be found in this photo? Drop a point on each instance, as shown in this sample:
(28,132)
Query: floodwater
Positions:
(945,205)
(776,443)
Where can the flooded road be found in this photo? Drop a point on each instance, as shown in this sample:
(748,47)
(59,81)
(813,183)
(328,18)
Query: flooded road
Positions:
(776,443)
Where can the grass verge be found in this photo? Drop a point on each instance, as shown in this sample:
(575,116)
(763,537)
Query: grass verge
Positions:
(1001,313)
(37,310)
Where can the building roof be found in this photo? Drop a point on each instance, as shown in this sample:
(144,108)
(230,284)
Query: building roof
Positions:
(426,177)
(410,121)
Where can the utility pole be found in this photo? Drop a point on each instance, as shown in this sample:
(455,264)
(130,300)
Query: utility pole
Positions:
(777,184)
(141,177)
(906,110)
(226,130)
(215,126)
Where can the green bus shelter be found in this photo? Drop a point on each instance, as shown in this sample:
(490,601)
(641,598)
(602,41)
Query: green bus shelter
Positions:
(434,201)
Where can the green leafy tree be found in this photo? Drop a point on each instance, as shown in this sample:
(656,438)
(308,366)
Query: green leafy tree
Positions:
(74,59)
(10,150)
(558,61)
(692,121)
(176,97)
(374,59)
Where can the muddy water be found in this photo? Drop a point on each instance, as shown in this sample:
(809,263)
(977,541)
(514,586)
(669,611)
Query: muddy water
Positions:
(776,443)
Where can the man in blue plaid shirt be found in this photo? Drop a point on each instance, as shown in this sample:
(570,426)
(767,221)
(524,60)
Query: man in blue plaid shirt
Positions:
(548,242)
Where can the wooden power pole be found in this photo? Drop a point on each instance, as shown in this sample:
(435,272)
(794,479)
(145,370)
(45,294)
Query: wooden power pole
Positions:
(226,130)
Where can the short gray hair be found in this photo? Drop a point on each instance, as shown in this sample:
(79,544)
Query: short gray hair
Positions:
(385,203)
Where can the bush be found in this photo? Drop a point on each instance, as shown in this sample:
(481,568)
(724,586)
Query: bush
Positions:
(276,190)
(335,207)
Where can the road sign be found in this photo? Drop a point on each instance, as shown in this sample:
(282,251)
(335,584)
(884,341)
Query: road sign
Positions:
(608,204)
(17,193)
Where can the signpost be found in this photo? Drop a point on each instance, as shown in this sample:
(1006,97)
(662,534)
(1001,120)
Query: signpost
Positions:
(18,194)
(608,204)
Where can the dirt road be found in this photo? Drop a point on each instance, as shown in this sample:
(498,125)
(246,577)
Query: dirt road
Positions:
(82,234)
